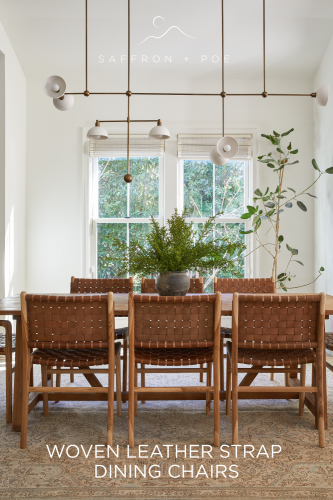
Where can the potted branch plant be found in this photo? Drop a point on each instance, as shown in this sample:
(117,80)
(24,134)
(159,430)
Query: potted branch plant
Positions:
(269,204)
(172,250)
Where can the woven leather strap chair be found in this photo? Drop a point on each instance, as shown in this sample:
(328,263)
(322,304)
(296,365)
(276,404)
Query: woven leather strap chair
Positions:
(243,285)
(115,285)
(7,347)
(148,286)
(277,331)
(70,333)
(174,332)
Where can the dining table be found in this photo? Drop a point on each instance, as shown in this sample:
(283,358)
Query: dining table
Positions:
(11,306)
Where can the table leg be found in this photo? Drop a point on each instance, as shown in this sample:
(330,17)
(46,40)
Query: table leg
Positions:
(18,380)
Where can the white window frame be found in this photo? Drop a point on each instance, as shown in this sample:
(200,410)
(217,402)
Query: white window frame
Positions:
(93,208)
(248,188)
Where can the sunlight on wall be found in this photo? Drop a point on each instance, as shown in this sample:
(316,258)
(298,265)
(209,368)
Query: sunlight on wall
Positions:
(9,255)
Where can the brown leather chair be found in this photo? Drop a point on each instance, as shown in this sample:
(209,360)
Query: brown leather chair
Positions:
(7,347)
(277,331)
(174,332)
(70,334)
(99,285)
(241,285)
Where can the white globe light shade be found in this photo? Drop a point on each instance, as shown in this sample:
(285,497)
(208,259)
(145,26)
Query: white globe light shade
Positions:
(322,94)
(216,158)
(54,86)
(159,132)
(98,133)
(227,147)
(64,104)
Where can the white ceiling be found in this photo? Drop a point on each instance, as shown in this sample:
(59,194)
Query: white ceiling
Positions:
(48,37)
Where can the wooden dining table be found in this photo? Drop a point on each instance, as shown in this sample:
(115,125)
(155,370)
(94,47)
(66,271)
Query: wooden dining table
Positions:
(11,306)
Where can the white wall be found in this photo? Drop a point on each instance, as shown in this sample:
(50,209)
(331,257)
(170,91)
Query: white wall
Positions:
(323,151)
(55,182)
(12,170)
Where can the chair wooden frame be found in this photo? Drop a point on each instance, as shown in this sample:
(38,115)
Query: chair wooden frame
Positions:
(124,285)
(133,370)
(47,386)
(318,364)
(243,285)
(7,352)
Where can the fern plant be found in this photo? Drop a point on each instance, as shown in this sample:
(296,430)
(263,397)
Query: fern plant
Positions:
(178,247)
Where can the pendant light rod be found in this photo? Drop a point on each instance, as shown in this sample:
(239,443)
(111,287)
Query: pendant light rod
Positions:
(86,45)
(313,94)
(128,81)
(264,44)
(223,92)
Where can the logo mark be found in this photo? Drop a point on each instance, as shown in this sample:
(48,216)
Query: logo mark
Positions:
(158,22)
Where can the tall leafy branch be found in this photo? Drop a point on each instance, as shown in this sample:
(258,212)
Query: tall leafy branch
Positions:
(270,204)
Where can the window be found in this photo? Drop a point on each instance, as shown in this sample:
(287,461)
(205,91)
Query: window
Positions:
(209,190)
(123,210)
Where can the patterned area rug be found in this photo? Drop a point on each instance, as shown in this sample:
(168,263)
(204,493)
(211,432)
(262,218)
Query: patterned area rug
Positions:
(301,471)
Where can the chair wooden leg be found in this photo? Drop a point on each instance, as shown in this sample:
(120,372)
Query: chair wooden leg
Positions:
(209,383)
(143,380)
(125,358)
(25,397)
(109,438)
(228,394)
(31,373)
(234,404)
(58,383)
(302,394)
(287,379)
(131,401)
(315,394)
(118,385)
(45,395)
(136,394)
(72,378)
(272,377)
(216,399)
(222,363)
(201,374)
(320,367)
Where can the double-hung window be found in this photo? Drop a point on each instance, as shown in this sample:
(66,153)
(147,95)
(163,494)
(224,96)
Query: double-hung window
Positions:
(210,190)
(123,210)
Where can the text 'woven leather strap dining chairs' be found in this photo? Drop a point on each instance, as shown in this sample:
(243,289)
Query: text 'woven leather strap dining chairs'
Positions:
(173,332)
(115,285)
(242,285)
(277,331)
(7,347)
(72,333)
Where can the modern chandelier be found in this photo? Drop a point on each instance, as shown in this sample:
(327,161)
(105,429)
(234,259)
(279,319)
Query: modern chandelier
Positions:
(226,148)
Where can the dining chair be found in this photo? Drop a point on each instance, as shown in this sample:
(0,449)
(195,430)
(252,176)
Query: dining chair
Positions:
(74,334)
(241,285)
(99,285)
(170,333)
(148,286)
(277,331)
(7,347)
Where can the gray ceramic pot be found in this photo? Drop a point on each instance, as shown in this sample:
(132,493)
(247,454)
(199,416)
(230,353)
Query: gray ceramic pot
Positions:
(173,283)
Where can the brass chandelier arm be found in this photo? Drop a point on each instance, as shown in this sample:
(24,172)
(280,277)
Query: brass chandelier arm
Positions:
(125,121)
